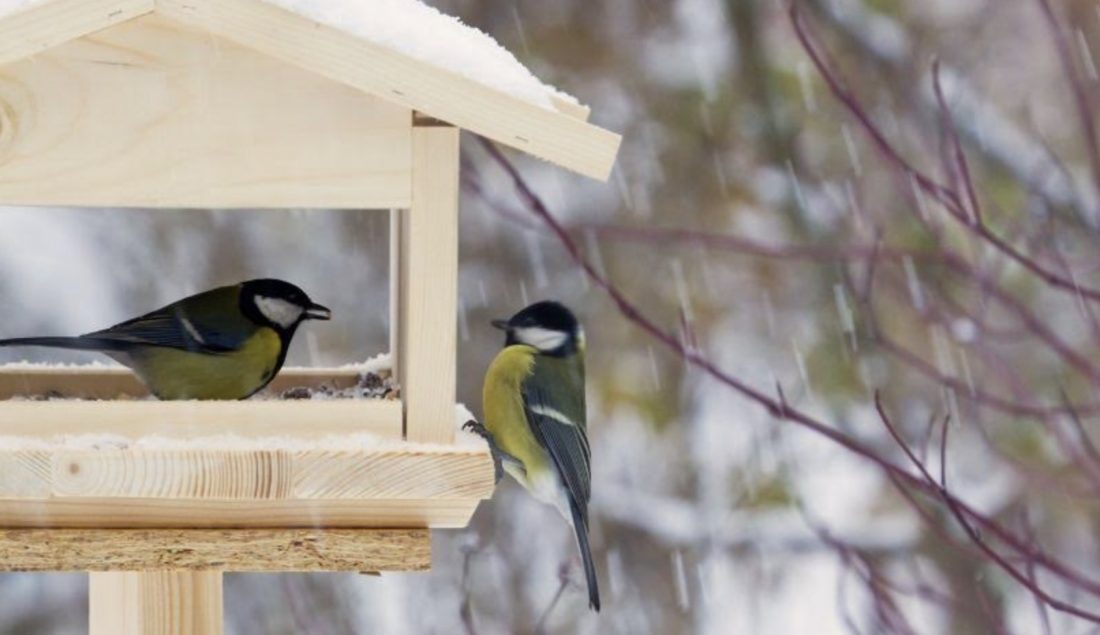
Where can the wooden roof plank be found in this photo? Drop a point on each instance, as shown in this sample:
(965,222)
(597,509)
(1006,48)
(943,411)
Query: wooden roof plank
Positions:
(571,108)
(44,25)
(564,139)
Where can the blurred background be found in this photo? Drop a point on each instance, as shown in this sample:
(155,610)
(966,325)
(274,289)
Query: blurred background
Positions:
(936,253)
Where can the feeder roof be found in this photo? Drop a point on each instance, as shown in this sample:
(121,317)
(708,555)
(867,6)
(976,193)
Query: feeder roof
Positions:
(402,51)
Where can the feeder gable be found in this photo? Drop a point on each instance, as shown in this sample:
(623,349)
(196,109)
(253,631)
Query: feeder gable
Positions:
(554,129)
(150,113)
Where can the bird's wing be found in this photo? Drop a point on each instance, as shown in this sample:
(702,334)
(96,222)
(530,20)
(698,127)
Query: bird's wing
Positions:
(209,322)
(553,398)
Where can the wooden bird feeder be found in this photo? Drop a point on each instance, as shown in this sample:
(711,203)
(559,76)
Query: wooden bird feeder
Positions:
(247,104)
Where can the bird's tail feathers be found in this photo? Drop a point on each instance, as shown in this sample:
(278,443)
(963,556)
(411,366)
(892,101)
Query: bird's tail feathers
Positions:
(580,526)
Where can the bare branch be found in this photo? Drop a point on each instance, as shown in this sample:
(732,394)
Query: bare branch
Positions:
(884,39)
(961,164)
(964,520)
(948,199)
(1077,87)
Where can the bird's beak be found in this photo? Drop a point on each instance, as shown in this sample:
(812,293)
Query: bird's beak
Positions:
(318,312)
(500,324)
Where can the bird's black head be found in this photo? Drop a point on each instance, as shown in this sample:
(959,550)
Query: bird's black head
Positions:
(548,326)
(278,304)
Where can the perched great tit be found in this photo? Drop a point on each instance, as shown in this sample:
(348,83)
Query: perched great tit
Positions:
(534,407)
(226,343)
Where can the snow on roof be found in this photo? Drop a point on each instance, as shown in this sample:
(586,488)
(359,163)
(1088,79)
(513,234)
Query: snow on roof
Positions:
(429,35)
(11,6)
(8,7)
(421,32)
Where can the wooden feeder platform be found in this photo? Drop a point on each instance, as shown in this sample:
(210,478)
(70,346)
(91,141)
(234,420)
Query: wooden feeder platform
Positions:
(157,525)
(223,465)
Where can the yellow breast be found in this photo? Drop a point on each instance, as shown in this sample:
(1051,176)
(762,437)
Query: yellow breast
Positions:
(505,418)
(175,374)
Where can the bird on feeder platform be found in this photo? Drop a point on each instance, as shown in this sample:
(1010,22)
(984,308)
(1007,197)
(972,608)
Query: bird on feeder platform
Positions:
(534,407)
(226,343)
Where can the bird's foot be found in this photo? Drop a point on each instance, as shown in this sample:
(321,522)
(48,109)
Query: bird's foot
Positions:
(499,456)
(475,426)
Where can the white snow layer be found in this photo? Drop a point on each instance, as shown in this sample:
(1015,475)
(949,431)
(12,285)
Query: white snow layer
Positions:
(422,32)
(26,367)
(376,364)
(429,35)
(234,442)
(11,6)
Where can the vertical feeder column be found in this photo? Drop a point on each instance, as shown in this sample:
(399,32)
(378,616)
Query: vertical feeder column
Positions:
(424,313)
(156,603)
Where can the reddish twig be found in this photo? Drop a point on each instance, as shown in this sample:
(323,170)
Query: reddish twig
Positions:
(1077,87)
(948,126)
(944,195)
(963,518)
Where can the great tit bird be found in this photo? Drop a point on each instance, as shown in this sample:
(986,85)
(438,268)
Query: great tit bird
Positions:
(226,343)
(534,407)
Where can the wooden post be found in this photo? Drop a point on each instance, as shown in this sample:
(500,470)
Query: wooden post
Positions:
(426,270)
(156,603)
(397,300)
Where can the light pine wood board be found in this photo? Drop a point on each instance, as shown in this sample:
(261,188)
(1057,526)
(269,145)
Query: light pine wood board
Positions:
(43,25)
(300,419)
(259,549)
(150,113)
(114,383)
(26,473)
(397,280)
(194,514)
(427,275)
(156,603)
(393,471)
(571,108)
(563,138)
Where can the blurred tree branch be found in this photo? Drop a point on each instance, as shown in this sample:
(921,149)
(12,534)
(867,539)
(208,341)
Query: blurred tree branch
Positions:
(985,127)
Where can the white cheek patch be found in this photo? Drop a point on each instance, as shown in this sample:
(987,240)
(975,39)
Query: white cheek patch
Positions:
(540,338)
(279,311)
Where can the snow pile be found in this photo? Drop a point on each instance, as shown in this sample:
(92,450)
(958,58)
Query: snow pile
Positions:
(421,32)
(34,367)
(374,380)
(429,35)
(377,364)
(11,6)
(235,442)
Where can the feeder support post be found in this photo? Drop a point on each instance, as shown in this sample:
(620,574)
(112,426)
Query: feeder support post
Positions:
(156,603)
(424,305)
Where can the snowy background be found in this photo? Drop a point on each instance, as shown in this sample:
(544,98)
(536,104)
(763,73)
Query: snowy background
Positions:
(709,515)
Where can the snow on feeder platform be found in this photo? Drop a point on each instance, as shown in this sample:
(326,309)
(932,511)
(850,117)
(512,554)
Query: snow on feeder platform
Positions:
(254,104)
